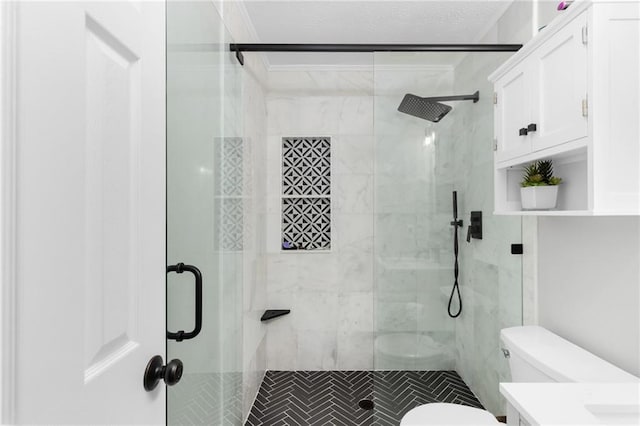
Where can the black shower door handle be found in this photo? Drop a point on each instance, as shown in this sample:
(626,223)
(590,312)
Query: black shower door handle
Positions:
(183,335)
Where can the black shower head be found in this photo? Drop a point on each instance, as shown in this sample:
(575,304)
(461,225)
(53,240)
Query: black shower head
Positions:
(423,108)
(429,108)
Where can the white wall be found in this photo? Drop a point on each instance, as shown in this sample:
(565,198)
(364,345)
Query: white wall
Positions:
(582,281)
(589,285)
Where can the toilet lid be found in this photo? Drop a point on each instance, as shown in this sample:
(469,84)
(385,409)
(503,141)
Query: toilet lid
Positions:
(447,414)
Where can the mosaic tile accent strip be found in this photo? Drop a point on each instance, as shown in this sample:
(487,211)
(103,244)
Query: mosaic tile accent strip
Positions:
(331,397)
(306,166)
(229,166)
(306,222)
(229,224)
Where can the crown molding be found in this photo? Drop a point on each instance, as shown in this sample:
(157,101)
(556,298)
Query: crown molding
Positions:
(244,14)
(251,29)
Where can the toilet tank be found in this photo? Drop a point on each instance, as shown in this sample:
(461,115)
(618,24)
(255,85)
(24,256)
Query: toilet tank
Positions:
(537,355)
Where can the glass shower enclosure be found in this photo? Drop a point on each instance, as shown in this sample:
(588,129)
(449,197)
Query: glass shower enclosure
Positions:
(205,200)
(418,165)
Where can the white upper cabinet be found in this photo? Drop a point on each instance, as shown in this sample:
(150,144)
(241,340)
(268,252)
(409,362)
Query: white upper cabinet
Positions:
(542,101)
(559,109)
(572,95)
(513,94)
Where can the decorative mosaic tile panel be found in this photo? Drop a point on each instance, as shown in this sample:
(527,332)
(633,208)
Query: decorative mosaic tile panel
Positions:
(229,224)
(232,158)
(306,166)
(306,173)
(229,166)
(306,222)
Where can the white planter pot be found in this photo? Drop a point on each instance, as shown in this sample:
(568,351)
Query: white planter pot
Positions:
(539,197)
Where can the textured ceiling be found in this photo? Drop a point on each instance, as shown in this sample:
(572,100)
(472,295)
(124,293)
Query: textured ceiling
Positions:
(399,21)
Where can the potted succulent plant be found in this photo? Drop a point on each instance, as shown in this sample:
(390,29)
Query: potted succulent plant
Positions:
(539,187)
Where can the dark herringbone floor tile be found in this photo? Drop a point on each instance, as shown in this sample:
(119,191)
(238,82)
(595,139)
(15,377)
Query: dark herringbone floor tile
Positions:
(330,398)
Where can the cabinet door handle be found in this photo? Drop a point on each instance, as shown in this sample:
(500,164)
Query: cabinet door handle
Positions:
(532,127)
(523,132)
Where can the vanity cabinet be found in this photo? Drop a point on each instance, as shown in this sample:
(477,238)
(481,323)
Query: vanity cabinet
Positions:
(572,94)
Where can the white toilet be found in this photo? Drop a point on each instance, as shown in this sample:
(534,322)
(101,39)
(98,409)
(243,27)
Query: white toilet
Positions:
(535,355)
(443,413)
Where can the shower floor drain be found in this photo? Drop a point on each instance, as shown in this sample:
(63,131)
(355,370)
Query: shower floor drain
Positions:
(366,404)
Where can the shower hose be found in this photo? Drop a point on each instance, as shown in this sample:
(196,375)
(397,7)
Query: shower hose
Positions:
(456,289)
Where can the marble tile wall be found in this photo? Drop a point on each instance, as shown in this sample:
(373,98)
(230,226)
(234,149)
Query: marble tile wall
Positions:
(329,293)
(254,333)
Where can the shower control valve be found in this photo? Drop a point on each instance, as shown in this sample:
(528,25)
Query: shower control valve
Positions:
(475,226)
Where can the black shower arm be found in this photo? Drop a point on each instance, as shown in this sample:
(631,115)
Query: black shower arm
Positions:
(475,97)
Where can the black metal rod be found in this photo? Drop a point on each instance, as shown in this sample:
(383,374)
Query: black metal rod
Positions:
(284,47)
(473,98)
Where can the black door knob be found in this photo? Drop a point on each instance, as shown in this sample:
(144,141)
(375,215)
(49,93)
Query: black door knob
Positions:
(156,371)
(173,372)
(523,132)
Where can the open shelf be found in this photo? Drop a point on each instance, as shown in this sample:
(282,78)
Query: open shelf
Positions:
(573,193)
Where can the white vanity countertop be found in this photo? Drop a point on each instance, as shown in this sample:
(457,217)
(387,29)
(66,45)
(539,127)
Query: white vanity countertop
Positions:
(575,403)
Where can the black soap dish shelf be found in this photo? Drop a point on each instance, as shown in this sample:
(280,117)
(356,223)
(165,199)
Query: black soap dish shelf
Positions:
(270,314)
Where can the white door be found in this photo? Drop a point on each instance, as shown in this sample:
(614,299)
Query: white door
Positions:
(90,231)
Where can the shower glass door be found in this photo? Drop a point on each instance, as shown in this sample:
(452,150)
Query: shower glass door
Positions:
(419,163)
(205,194)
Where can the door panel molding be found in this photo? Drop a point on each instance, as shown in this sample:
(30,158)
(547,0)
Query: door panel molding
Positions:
(89,214)
(8,120)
